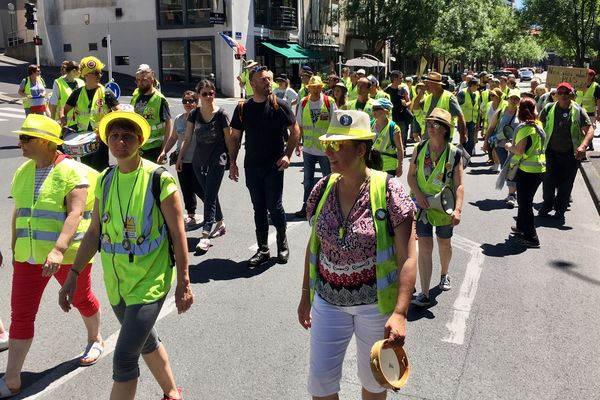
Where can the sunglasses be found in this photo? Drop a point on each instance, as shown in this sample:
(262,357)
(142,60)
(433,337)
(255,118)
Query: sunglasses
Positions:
(188,101)
(331,144)
(208,94)
(563,93)
(97,73)
(434,125)
(26,138)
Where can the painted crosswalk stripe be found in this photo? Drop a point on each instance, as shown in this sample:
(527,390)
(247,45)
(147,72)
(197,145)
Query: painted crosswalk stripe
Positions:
(11,115)
(19,110)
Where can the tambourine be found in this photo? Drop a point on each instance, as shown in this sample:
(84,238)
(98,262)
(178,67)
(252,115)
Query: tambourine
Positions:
(390,366)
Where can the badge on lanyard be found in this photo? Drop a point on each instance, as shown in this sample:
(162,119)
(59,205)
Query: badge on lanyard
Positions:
(126,244)
(380,214)
(105,217)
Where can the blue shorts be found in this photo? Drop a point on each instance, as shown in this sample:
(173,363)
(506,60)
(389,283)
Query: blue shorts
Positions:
(426,230)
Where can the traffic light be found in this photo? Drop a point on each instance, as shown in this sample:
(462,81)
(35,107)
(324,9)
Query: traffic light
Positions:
(104,42)
(37,40)
(30,16)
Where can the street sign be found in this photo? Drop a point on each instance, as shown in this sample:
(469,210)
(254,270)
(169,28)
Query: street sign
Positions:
(217,18)
(115,89)
(577,77)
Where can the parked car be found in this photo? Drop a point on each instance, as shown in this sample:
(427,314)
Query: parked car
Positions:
(526,74)
(513,71)
(500,72)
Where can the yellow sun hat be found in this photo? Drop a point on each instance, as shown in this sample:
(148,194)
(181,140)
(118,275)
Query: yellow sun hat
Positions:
(349,125)
(90,64)
(42,127)
(126,115)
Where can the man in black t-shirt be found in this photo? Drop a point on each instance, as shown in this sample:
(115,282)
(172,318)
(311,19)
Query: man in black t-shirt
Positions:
(400,98)
(265,119)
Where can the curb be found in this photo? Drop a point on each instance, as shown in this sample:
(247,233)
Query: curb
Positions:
(591,176)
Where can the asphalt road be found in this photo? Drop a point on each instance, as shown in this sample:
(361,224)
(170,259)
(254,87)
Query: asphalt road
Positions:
(517,324)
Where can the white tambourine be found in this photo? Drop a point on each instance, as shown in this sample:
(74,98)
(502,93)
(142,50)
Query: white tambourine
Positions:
(390,366)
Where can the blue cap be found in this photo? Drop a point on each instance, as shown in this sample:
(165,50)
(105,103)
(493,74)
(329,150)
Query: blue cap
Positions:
(382,102)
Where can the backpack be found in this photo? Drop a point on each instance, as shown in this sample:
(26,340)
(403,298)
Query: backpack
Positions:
(241,103)
(325,100)
(156,174)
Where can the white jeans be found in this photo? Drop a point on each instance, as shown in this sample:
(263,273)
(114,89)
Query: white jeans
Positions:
(332,329)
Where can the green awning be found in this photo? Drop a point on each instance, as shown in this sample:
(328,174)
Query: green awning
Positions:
(295,53)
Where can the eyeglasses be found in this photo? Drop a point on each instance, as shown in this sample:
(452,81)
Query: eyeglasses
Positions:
(331,144)
(97,73)
(188,101)
(208,94)
(26,138)
(434,125)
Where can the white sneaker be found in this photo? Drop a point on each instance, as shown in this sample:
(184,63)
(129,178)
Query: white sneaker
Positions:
(4,341)
(445,283)
(495,167)
(511,201)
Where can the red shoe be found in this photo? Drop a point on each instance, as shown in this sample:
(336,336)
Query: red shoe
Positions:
(173,398)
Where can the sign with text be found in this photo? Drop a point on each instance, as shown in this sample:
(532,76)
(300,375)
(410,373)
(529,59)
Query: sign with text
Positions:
(577,77)
(217,18)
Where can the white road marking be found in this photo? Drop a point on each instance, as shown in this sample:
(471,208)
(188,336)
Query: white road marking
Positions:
(273,234)
(2,120)
(11,115)
(19,110)
(46,385)
(457,326)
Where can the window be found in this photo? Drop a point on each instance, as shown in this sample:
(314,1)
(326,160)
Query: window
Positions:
(186,60)
(67,48)
(173,61)
(93,46)
(260,12)
(276,14)
(180,13)
(122,60)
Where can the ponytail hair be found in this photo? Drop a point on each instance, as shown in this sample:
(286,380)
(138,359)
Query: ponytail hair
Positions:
(372,158)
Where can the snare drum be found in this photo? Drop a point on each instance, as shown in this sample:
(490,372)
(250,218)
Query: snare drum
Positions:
(79,144)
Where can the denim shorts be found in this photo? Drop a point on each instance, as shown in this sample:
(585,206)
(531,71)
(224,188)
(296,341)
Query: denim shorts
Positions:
(426,230)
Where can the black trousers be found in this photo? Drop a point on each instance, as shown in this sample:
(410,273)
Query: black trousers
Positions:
(527,185)
(190,187)
(561,170)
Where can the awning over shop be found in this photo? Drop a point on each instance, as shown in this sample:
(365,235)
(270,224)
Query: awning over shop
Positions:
(295,53)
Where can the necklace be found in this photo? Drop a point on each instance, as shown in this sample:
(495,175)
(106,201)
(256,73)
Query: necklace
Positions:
(346,220)
(126,242)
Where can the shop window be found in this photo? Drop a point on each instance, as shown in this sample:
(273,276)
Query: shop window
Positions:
(201,62)
(186,60)
(173,61)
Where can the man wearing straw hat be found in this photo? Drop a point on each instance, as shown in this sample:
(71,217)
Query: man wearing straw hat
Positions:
(314,114)
(440,98)
(54,198)
(244,78)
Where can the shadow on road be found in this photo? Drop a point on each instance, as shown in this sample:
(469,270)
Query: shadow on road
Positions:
(489,204)
(416,313)
(481,171)
(36,382)
(220,269)
(567,268)
(507,248)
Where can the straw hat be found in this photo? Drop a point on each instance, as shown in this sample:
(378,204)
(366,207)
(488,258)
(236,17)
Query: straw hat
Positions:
(315,81)
(127,115)
(341,85)
(42,127)
(390,366)
(441,115)
(250,63)
(349,125)
(434,77)
(90,64)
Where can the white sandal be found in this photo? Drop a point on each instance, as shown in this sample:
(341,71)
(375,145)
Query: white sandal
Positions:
(97,346)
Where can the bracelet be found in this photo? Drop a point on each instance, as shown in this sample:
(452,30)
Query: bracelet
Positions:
(76,272)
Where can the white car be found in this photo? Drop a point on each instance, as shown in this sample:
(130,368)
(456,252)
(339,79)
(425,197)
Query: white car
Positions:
(525,74)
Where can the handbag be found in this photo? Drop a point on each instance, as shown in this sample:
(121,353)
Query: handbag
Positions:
(173,157)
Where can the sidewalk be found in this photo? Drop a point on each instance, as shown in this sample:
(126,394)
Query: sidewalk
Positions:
(591,175)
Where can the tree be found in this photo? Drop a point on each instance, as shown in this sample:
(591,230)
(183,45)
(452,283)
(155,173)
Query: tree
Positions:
(370,20)
(571,22)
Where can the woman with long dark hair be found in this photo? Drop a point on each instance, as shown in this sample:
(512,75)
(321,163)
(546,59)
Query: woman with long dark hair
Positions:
(528,156)
(209,124)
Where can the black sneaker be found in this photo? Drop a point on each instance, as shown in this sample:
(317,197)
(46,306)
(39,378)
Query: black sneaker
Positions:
(531,243)
(544,212)
(516,230)
(560,217)
(261,257)
(302,213)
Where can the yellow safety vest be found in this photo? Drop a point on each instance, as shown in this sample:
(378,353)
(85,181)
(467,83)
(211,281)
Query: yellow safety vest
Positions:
(247,87)
(368,107)
(27,90)
(576,134)
(384,144)
(39,223)
(387,266)
(443,102)
(64,91)
(86,114)
(469,108)
(311,130)
(586,99)
(534,158)
(441,176)
(152,115)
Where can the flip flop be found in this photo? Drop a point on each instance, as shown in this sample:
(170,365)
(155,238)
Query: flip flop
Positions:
(218,232)
(5,392)
(98,346)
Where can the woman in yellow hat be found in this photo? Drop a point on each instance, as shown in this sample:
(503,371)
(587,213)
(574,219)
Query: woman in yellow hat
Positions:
(360,261)
(138,221)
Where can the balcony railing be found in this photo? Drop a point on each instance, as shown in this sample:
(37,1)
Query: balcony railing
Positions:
(284,18)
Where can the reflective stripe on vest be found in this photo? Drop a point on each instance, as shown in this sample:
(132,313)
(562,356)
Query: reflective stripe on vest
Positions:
(470,108)
(146,246)
(386,267)
(576,134)
(587,99)
(534,159)
(368,107)
(27,90)
(311,130)
(436,182)
(55,215)
(152,114)
(87,114)
(385,146)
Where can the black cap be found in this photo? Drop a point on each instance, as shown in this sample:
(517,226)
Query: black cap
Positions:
(281,77)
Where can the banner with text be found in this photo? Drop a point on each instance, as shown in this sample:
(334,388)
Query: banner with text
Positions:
(577,77)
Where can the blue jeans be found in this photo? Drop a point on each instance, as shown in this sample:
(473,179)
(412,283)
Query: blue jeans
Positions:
(310,161)
(471,137)
(265,184)
(210,178)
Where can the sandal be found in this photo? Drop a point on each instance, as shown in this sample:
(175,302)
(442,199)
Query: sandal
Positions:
(190,221)
(5,392)
(203,245)
(172,398)
(218,232)
(91,346)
